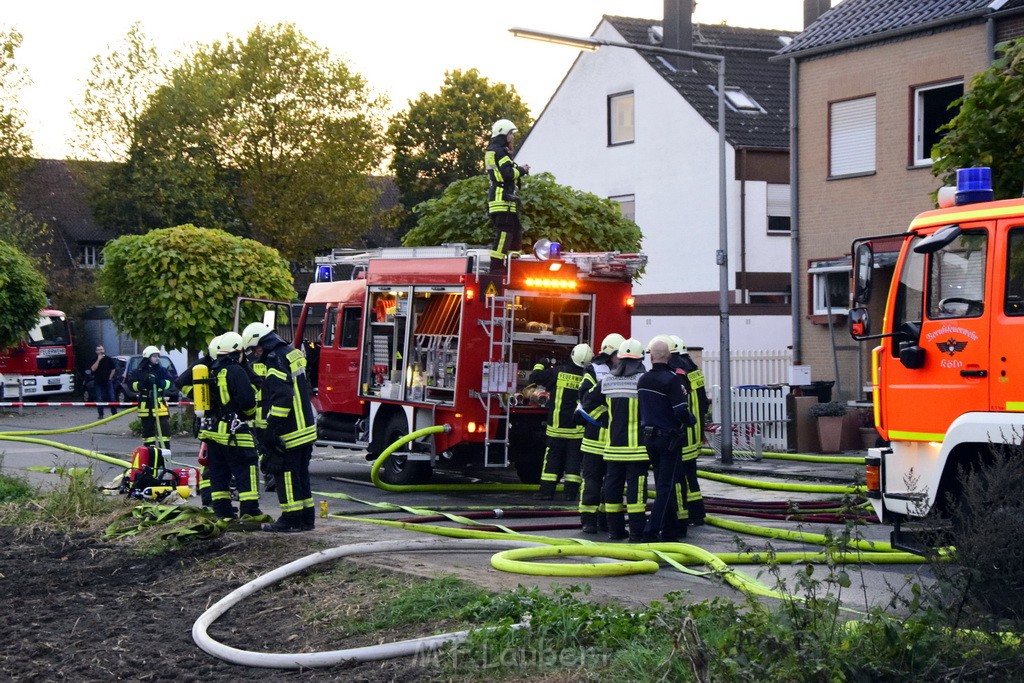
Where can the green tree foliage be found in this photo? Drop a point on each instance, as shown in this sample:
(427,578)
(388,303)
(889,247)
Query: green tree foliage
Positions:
(581,221)
(15,144)
(265,136)
(177,286)
(989,128)
(441,137)
(22,295)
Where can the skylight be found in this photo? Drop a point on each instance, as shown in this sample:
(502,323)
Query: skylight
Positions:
(741,101)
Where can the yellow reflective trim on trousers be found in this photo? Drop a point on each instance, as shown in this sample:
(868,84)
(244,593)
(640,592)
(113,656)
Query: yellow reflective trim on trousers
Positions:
(253,493)
(290,504)
(895,435)
(1015,405)
(574,433)
(681,511)
(634,419)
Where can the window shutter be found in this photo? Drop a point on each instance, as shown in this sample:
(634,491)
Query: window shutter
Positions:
(852,136)
(778,200)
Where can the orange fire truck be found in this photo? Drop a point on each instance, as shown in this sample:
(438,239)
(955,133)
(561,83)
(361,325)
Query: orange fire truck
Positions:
(948,375)
(398,339)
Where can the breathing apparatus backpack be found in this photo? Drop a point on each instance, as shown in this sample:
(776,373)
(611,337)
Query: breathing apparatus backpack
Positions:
(149,478)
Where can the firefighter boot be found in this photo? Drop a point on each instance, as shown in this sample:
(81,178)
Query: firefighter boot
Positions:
(588,522)
(617,526)
(602,521)
(547,491)
(637,522)
(308,519)
(288,522)
(571,492)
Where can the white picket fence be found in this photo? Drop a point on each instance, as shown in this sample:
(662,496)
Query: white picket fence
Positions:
(749,367)
(758,416)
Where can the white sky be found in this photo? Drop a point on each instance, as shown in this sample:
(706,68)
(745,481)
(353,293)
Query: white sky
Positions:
(402,47)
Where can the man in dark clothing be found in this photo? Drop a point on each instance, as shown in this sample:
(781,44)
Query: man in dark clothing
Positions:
(503,196)
(562,455)
(663,412)
(693,384)
(103,371)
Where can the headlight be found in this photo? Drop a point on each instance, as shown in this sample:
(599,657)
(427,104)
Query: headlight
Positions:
(28,382)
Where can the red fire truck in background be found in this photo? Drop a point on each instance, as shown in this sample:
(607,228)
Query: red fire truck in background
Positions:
(43,363)
(399,339)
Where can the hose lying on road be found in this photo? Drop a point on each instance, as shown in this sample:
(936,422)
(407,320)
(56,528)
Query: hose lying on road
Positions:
(26,436)
(309,660)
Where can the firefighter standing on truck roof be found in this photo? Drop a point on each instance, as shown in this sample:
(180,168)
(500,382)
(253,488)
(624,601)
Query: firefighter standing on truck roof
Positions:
(684,366)
(595,438)
(562,455)
(185,383)
(151,381)
(664,414)
(290,431)
(503,205)
(625,457)
(228,437)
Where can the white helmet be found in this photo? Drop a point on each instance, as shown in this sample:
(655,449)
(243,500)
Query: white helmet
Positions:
(661,337)
(253,332)
(612,343)
(631,348)
(212,348)
(503,127)
(582,354)
(229,342)
(680,346)
(149,351)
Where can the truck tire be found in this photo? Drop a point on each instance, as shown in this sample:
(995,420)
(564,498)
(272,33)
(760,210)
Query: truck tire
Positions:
(529,469)
(398,469)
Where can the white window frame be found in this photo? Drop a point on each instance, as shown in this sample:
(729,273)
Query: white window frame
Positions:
(852,137)
(627,205)
(92,256)
(621,119)
(820,278)
(923,157)
(778,205)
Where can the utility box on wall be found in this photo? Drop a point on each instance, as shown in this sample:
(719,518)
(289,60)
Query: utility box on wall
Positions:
(799,375)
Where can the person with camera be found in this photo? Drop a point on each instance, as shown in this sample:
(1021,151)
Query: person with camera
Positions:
(103,370)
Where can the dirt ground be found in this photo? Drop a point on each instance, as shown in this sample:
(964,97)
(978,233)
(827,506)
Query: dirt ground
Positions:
(80,609)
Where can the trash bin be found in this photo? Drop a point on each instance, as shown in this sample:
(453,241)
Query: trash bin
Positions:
(822,390)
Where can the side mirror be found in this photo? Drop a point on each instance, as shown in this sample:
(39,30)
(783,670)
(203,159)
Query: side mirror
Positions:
(860,323)
(864,259)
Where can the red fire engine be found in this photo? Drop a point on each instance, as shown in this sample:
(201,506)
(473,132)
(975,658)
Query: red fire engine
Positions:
(423,336)
(43,362)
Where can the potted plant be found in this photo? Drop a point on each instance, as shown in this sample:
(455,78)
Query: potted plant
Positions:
(830,425)
(866,424)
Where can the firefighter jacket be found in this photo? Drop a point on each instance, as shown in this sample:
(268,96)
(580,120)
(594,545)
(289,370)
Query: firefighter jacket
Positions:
(257,370)
(595,431)
(232,405)
(563,382)
(151,381)
(504,174)
(663,403)
(285,395)
(618,391)
(693,383)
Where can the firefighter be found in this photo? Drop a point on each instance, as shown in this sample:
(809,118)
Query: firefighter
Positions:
(595,438)
(184,382)
(503,205)
(562,455)
(257,370)
(290,428)
(625,457)
(232,451)
(664,414)
(693,379)
(151,381)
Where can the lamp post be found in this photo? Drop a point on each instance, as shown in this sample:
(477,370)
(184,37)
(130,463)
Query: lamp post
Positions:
(722,255)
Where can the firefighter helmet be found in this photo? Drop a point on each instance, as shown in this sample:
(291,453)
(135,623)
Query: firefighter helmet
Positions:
(229,342)
(503,127)
(631,348)
(582,354)
(149,351)
(680,345)
(212,348)
(612,343)
(253,332)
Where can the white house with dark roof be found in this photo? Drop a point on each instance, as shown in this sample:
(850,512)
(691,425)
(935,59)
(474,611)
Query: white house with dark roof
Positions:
(634,127)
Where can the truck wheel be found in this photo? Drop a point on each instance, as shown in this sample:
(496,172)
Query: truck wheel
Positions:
(529,469)
(398,469)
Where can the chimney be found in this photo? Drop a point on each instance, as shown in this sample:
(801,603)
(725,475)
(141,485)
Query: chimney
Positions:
(677,31)
(813,9)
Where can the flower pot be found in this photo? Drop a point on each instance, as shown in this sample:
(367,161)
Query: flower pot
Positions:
(830,433)
(868,437)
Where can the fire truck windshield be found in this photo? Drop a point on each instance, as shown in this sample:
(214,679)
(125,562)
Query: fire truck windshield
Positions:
(51,330)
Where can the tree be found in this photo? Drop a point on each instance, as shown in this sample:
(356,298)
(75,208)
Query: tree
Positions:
(177,286)
(441,138)
(266,136)
(22,295)
(580,221)
(989,128)
(15,144)
(23,232)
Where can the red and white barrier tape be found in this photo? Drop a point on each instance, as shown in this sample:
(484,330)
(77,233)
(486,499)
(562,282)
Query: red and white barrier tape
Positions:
(65,404)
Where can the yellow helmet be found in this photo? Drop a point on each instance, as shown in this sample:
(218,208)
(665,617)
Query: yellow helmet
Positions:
(503,127)
(149,351)
(680,346)
(582,354)
(212,348)
(612,343)
(631,348)
(229,342)
(253,332)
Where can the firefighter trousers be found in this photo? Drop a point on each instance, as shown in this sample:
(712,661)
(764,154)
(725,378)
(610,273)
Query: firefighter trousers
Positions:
(562,457)
(293,487)
(508,236)
(592,491)
(694,499)
(149,432)
(669,512)
(240,463)
(627,477)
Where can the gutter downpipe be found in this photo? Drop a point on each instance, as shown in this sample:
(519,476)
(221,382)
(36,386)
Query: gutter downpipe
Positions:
(794,208)
(990,38)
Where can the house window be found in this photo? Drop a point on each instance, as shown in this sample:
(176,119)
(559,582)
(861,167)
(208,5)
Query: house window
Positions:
(831,286)
(778,209)
(931,112)
(627,205)
(852,137)
(620,119)
(741,101)
(92,256)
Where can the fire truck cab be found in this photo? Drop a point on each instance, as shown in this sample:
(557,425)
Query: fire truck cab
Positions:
(948,373)
(399,339)
(43,362)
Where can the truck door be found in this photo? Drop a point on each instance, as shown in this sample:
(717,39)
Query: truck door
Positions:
(943,371)
(1007,350)
(339,360)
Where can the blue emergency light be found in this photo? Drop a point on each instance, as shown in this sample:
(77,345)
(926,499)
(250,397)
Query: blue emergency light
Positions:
(974,185)
(324,273)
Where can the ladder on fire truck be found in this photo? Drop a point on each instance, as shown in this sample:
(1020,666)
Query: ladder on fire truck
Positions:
(499,379)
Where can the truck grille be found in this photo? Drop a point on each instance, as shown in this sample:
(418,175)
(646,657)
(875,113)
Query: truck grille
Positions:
(52,362)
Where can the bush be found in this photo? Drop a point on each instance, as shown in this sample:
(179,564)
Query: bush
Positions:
(830,409)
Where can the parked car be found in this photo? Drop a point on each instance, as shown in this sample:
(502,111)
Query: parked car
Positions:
(127,366)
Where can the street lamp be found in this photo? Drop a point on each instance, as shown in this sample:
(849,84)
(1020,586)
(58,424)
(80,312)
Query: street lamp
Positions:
(721,257)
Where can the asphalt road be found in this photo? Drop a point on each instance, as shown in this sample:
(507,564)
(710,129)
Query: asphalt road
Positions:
(347,472)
